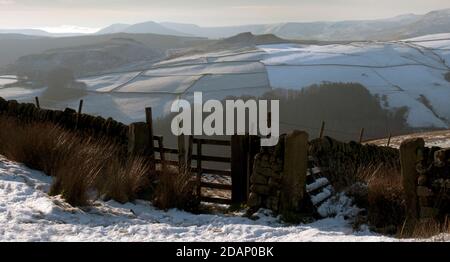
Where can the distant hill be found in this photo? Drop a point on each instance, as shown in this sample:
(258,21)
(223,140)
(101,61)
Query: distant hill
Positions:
(33,32)
(403,26)
(87,59)
(141,28)
(112,29)
(245,40)
(18,36)
(12,46)
(399,27)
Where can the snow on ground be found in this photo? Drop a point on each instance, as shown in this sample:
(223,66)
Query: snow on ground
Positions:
(27,213)
(107,82)
(6,81)
(403,73)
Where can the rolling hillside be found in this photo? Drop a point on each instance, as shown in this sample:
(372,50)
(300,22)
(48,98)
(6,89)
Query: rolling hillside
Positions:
(13,46)
(408,74)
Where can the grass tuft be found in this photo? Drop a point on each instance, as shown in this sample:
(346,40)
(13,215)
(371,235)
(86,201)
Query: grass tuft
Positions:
(176,190)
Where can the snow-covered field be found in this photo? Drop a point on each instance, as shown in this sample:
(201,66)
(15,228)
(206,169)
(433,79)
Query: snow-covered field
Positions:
(27,213)
(7,79)
(436,138)
(402,73)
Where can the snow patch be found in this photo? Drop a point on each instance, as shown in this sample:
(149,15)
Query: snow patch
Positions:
(29,214)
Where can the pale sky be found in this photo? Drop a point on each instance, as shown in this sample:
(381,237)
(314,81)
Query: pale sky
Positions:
(74,15)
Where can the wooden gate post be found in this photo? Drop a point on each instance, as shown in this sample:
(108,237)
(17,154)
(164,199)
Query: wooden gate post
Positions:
(254,146)
(239,169)
(150,146)
(199,168)
(408,160)
(295,168)
(138,138)
(189,153)
(162,153)
(181,153)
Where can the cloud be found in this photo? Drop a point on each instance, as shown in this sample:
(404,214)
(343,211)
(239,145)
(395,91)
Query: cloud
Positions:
(69,29)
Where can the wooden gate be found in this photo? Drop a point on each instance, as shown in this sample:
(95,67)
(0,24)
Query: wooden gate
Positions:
(162,151)
(242,150)
(239,163)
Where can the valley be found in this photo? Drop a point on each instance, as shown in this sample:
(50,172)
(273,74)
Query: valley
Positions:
(408,74)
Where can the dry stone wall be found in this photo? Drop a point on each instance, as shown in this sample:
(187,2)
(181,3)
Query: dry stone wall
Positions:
(279,173)
(426,179)
(278,180)
(68,119)
(265,181)
(340,156)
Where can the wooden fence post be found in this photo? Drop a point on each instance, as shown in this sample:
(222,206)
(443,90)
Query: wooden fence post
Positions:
(150,147)
(181,153)
(389,140)
(80,108)
(322,130)
(361,135)
(239,169)
(38,105)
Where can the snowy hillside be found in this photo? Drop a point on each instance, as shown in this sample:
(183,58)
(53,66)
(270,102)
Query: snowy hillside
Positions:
(27,213)
(401,73)
(408,73)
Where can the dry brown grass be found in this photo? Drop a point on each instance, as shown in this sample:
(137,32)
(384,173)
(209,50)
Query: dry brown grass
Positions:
(343,174)
(125,180)
(382,196)
(78,164)
(85,164)
(385,197)
(175,190)
(427,229)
